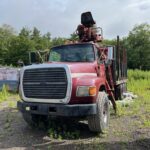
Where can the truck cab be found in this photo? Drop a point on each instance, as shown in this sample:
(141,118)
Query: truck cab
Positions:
(67,85)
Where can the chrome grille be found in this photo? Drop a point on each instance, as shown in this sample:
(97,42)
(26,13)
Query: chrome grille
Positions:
(45,83)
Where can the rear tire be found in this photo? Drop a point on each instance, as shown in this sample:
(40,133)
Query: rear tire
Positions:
(100,121)
(120,90)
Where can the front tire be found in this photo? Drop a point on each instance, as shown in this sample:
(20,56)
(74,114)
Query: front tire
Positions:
(99,122)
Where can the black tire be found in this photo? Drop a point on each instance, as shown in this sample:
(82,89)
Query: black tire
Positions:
(100,121)
(121,89)
(120,92)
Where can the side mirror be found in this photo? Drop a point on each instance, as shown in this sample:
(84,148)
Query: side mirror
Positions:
(110,53)
(36,57)
(33,58)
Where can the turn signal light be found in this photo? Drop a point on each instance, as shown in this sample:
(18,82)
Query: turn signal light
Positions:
(92,91)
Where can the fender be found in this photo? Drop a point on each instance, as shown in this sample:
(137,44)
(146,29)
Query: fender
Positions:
(85,80)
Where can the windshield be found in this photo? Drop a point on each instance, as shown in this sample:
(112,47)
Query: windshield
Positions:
(72,53)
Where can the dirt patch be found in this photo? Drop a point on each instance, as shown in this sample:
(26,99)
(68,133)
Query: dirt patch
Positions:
(125,132)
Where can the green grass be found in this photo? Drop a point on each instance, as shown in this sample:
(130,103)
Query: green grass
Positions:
(139,84)
(4,94)
(8,97)
(138,75)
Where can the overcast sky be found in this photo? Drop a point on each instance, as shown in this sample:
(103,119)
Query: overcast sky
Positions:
(61,17)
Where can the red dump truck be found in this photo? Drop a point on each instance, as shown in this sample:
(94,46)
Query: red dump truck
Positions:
(79,80)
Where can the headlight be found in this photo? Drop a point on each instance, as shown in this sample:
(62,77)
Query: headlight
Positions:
(86,91)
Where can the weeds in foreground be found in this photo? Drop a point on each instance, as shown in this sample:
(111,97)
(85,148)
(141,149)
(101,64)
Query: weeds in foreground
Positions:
(9,97)
(61,130)
(4,94)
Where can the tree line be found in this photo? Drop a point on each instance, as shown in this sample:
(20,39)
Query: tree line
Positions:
(14,47)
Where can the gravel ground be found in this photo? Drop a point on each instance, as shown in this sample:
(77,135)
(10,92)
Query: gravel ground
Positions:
(124,133)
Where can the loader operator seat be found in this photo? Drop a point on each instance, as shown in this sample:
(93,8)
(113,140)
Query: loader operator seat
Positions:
(87,29)
(87,19)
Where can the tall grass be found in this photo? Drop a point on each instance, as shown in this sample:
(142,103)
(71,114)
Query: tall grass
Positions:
(4,94)
(139,84)
(138,75)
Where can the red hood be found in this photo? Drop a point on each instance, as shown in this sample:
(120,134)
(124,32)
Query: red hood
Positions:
(78,67)
(82,67)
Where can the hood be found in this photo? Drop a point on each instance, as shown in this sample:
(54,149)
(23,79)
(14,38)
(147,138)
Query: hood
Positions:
(82,67)
(78,67)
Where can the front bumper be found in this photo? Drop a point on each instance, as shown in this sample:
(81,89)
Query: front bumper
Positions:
(57,109)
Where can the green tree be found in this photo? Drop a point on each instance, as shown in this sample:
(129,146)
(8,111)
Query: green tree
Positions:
(6,34)
(19,50)
(39,41)
(74,37)
(58,41)
(138,47)
(25,32)
(47,36)
(35,33)
(15,47)
(109,42)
